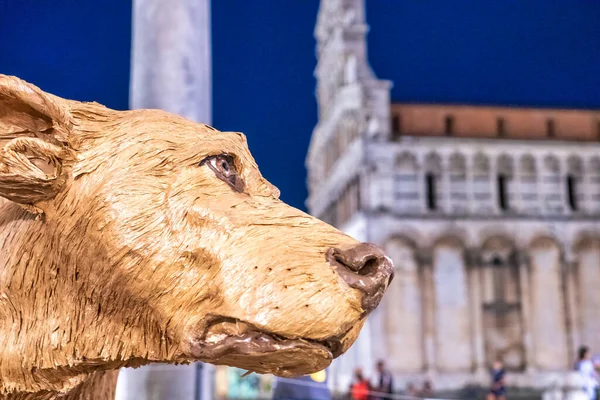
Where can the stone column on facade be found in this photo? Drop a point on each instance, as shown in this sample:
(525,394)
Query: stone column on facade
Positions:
(589,187)
(517,179)
(376,181)
(378,334)
(523,263)
(573,318)
(446,186)
(387,185)
(473,263)
(563,170)
(469,176)
(425,261)
(493,185)
(421,168)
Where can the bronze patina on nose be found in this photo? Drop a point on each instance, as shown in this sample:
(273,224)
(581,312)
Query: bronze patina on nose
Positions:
(364,267)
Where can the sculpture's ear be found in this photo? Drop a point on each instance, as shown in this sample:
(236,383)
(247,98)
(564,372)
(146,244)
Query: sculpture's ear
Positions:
(34,145)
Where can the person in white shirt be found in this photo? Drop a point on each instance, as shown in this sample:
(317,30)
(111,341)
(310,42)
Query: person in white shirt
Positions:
(588,371)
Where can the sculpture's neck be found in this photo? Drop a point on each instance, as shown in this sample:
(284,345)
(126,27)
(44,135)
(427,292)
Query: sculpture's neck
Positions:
(98,386)
(58,327)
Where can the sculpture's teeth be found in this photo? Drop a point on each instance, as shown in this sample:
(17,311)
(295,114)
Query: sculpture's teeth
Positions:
(213,338)
(224,329)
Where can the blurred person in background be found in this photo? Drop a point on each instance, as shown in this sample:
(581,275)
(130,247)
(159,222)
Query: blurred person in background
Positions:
(498,387)
(588,371)
(411,390)
(385,382)
(427,390)
(360,387)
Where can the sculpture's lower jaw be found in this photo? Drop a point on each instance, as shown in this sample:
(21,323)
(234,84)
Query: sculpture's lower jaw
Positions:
(263,354)
(237,344)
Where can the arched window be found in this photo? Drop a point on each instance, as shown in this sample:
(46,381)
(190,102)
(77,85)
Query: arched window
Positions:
(501,303)
(482,195)
(458,183)
(552,188)
(504,182)
(528,185)
(406,188)
(433,172)
(348,202)
(352,125)
(574,187)
(350,69)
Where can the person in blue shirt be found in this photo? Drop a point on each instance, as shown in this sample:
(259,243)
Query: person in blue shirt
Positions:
(498,387)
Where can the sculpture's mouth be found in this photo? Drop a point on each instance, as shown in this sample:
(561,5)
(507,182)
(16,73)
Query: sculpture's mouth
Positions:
(228,341)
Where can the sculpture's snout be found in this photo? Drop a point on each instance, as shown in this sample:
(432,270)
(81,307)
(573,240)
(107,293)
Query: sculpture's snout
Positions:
(364,267)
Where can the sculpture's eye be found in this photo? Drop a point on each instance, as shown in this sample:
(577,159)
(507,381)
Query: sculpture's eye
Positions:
(223,163)
(224,167)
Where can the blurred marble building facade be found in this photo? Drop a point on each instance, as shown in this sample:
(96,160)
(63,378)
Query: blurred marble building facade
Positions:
(491,215)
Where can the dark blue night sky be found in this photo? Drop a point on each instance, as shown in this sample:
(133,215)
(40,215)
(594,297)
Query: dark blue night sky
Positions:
(536,52)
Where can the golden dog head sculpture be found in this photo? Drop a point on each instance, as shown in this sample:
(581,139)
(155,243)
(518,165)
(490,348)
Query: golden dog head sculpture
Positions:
(129,237)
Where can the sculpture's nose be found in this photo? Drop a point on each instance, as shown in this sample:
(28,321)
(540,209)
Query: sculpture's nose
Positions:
(364,267)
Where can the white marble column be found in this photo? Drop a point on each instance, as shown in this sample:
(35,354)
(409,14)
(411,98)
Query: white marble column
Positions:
(170,70)
(446,187)
(469,186)
(572,306)
(376,323)
(493,182)
(523,260)
(171,57)
(425,259)
(474,273)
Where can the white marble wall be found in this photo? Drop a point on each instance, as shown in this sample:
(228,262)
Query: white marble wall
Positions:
(446,316)
(452,322)
(588,285)
(548,305)
(401,308)
(432,322)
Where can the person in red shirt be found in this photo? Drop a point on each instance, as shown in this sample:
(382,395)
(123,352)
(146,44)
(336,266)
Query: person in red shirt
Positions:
(360,386)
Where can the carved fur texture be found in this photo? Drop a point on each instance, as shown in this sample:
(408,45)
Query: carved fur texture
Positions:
(120,247)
